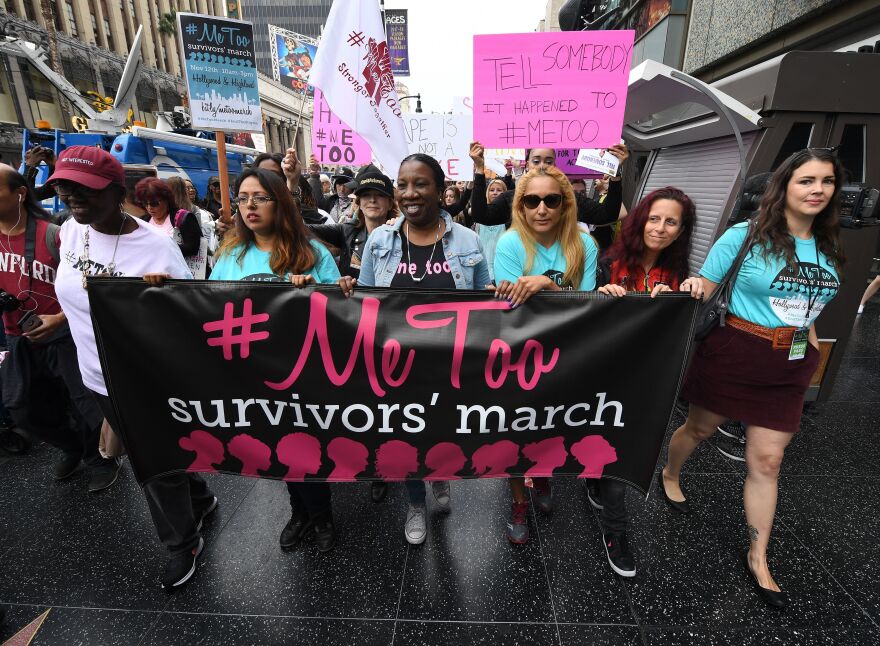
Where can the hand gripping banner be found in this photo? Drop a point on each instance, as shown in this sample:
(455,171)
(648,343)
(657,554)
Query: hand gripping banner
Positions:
(269,381)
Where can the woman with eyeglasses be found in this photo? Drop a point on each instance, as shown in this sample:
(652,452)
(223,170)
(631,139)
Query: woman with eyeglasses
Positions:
(758,366)
(270,243)
(424,249)
(543,250)
(164,213)
(650,256)
(100,239)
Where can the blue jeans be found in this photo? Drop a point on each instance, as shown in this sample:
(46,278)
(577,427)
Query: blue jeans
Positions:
(415,489)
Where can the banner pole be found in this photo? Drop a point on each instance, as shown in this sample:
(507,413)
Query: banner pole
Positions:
(223,170)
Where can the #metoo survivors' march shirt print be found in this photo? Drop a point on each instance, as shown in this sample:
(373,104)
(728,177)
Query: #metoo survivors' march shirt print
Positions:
(768,292)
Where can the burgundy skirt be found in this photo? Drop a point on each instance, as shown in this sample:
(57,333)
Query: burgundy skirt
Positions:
(741,376)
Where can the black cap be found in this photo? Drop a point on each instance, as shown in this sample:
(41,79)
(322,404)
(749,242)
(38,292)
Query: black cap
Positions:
(342,175)
(374,181)
(369,168)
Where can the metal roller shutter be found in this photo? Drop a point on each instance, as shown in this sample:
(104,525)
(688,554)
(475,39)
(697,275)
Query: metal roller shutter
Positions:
(707,171)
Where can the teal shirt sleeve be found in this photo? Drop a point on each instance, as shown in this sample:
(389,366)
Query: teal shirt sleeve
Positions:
(723,253)
(510,258)
(325,269)
(591,251)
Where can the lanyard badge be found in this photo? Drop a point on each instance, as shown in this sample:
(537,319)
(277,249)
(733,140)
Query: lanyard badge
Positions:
(799,344)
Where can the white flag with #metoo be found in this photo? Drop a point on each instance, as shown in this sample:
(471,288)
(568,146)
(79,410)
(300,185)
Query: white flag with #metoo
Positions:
(353,70)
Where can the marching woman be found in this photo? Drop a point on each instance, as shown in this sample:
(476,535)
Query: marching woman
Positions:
(101,239)
(423,249)
(490,234)
(758,366)
(270,243)
(164,213)
(543,250)
(649,256)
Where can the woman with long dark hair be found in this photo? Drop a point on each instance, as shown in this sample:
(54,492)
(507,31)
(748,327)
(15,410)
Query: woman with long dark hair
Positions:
(649,256)
(270,243)
(758,366)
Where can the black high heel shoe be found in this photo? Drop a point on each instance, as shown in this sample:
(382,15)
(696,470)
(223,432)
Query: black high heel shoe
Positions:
(682,507)
(771,597)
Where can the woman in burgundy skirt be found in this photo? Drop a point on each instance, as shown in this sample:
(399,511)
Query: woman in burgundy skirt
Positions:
(758,366)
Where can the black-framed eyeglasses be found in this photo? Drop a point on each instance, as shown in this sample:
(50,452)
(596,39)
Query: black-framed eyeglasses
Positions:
(64,189)
(258,200)
(551,201)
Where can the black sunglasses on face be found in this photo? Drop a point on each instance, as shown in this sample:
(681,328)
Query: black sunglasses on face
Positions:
(214,184)
(65,189)
(551,201)
(151,203)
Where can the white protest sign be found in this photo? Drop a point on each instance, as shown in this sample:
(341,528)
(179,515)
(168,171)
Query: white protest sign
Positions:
(598,159)
(446,138)
(462,105)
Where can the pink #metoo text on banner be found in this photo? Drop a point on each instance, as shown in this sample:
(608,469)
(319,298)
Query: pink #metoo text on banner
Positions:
(551,89)
(266,380)
(333,142)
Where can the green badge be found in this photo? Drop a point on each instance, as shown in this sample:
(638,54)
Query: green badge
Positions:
(799,344)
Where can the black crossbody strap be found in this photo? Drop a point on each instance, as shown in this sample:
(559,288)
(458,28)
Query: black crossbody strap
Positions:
(30,246)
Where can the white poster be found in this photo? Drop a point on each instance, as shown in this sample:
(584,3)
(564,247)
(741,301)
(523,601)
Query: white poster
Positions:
(445,137)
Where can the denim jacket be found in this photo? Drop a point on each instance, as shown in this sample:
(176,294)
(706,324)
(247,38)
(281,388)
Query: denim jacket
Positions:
(461,247)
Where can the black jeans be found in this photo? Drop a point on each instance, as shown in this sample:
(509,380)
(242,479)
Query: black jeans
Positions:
(176,501)
(614,516)
(312,498)
(43,389)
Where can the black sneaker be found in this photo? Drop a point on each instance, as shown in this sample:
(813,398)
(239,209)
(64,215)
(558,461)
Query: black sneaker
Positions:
(180,567)
(210,509)
(294,530)
(731,430)
(104,474)
(325,532)
(592,488)
(733,448)
(619,557)
(66,466)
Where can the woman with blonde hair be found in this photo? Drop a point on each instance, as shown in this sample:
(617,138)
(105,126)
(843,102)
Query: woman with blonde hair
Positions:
(543,250)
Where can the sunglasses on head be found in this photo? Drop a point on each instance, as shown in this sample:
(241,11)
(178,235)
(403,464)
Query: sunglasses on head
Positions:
(551,201)
(65,189)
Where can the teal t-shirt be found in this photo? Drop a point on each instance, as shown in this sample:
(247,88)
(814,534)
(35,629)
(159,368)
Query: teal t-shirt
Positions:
(255,266)
(767,292)
(510,261)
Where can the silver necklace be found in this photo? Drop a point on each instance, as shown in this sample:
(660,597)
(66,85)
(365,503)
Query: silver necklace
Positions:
(84,258)
(430,258)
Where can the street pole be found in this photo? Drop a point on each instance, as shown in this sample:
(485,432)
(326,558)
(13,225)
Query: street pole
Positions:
(223,171)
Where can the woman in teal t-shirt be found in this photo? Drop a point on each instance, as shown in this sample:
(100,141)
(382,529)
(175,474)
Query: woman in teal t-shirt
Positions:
(543,250)
(270,242)
(758,366)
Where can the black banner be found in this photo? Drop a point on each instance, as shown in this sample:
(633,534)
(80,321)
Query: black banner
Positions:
(267,380)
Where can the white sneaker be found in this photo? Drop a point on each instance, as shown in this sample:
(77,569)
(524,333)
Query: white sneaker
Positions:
(861,309)
(415,528)
(440,489)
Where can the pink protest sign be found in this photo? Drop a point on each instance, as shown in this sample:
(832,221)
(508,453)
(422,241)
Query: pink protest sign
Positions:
(333,142)
(551,89)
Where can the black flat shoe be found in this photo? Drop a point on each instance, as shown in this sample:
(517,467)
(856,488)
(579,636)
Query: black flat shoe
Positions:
(771,597)
(682,507)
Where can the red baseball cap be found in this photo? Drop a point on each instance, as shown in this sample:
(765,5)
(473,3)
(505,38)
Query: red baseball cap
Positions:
(89,166)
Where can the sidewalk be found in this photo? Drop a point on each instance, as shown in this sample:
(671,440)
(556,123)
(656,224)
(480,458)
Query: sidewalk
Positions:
(95,561)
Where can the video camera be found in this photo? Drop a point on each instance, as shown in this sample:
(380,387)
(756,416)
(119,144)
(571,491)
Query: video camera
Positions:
(8,302)
(858,206)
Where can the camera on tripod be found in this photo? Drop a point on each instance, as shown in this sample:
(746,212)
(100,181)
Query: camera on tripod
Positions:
(858,206)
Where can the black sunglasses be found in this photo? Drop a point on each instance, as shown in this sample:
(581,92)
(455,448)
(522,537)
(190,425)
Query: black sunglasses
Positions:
(65,189)
(551,201)
(151,203)
(214,184)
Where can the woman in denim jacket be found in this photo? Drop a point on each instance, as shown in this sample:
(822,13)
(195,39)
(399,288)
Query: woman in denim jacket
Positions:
(423,249)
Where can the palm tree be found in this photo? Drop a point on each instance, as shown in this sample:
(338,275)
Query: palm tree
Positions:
(168,23)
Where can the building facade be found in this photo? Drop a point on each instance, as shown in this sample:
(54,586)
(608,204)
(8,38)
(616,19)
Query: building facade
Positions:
(305,17)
